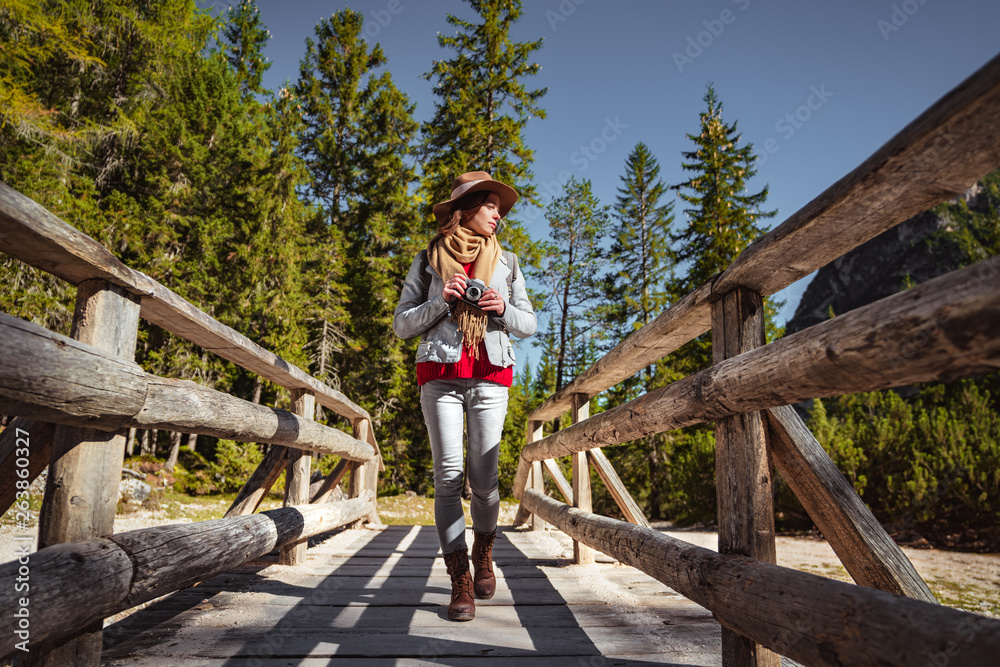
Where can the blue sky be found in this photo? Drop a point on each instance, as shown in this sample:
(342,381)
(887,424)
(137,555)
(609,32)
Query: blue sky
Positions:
(815,86)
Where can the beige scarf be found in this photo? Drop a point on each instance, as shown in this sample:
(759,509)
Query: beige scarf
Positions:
(447,256)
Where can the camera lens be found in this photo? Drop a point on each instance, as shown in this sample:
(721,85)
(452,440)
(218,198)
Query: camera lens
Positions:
(472,293)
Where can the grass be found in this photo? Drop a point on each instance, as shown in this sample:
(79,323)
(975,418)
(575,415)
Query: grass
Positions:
(977,599)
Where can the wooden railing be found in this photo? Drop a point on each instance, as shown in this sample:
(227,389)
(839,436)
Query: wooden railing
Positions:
(75,399)
(943,329)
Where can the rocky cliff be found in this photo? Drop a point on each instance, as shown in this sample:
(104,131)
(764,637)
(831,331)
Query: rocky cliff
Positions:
(914,251)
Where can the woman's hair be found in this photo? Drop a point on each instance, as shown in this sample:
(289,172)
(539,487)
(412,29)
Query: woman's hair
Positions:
(461,211)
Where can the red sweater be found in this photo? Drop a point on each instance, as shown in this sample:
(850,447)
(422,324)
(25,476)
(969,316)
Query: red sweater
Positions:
(466,367)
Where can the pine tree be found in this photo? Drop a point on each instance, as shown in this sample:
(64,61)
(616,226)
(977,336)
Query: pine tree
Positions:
(637,288)
(577,226)
(245,38)
(722,216)
(482,109)
(358,128)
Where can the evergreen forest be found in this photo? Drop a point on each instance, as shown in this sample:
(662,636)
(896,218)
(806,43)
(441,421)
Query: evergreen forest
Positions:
(293,215)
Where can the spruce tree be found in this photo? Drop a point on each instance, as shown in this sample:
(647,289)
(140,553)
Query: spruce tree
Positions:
(482,108)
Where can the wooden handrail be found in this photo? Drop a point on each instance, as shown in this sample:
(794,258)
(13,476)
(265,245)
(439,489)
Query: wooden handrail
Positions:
(85,387)
(938,155)
(77,583)
(811,619)
(35,236)
(942,329)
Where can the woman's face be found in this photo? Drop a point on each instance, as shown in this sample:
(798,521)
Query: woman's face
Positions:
(486,219)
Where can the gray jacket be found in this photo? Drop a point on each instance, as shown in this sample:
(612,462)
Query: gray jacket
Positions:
(442,342)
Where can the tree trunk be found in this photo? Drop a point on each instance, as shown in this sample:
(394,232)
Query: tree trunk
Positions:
(175,449)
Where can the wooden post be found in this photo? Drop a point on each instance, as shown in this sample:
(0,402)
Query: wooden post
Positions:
(742,469)
(260,482)
(582,554)
(535,479)
(81,494)
(297,478)
(357,482)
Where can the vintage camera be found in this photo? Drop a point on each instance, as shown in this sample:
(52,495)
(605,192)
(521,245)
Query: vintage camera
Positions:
(474,290)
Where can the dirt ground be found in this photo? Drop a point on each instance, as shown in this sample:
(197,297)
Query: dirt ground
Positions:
(964,580)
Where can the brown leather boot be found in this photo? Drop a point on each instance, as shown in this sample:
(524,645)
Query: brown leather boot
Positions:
(484,581)
(463,606)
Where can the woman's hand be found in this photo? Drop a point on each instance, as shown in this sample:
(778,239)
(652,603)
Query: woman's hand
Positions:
(492,301)
(454,288)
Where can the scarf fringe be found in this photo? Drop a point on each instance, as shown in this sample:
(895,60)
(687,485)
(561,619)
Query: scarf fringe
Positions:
(472,323)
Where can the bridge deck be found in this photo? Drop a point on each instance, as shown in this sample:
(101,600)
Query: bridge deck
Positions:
(371,598)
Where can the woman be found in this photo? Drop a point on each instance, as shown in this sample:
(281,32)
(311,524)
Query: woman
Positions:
(465,365)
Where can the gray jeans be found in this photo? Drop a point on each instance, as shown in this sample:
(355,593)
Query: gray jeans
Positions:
(446,405)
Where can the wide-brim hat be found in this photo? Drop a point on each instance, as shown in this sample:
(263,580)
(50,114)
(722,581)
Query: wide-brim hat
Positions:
(476,181)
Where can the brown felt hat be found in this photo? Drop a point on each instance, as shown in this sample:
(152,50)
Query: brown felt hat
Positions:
(476,181)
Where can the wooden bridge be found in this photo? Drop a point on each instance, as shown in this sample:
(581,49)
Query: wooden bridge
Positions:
(374,597)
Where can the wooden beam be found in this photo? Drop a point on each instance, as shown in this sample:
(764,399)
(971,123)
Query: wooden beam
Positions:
(261,480)
(86,387)
(556,474)
(23,441)
(322,494)
(33,235)
(626,503)
(811,619)
(76,584)
(924,164)
(582,554)
(81,491)
(944,329)
(297,475)
(742,469)
(871,557)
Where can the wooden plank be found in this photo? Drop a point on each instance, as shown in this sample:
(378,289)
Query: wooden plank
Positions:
(537,482)
(75,585)
(297,474)
(330,483)
(742,469)
(626,503)
(871,557)
(22,439)
(557,476)
(944,329)
(924,164)
(813,620)
(47,376)
(261,480)
(33,235)
(582,554)
(81,491)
